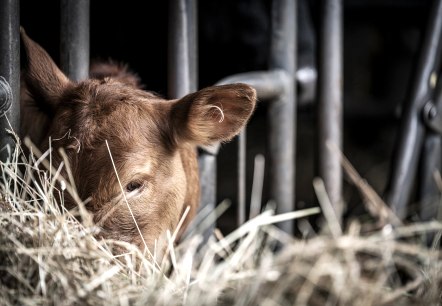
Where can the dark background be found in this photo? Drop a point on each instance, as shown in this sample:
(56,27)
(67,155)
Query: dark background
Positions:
(381,40)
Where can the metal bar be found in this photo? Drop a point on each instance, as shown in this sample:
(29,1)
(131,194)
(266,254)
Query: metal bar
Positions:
(242,168)
(429,193)
(9,74)
(410,141)
(330,84)
(207,174)
(183,79)
(276,84)
(269,85)
(182,69)
(306,73)
(282,111)
(74,38)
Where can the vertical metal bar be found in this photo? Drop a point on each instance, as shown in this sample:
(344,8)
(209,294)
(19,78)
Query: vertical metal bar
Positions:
(282,111)
(74,38)
(242,141)
(431,161)
(182,69)
(306,73)
(269,86)
(207,173)
(9,73)
(183,79)
(192,13)
(330,85)
(429,193)
(410,141)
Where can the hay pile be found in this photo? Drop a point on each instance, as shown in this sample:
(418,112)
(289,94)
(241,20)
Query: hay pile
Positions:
(49,257)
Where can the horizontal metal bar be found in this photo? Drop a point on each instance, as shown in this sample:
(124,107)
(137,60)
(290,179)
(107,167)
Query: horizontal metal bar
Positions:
(269,85)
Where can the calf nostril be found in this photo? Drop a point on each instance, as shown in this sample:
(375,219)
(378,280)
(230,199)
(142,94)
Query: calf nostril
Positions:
(134,185)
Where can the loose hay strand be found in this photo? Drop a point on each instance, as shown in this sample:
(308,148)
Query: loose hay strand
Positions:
(127,204)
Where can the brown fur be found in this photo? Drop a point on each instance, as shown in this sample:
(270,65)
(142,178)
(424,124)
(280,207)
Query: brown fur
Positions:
(153,141)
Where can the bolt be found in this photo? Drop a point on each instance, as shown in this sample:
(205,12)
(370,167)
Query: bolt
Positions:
(432,112)
(5,96)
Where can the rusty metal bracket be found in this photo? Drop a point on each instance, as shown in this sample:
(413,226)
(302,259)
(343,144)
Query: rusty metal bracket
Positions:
(5,96)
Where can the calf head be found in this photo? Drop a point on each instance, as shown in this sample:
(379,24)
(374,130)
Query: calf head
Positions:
(151,142)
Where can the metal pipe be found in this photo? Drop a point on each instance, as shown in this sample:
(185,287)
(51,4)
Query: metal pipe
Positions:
(330,85)
(182,62)
(207,174)
(306,74)
(431,159)
(429,193)
(9,74)
(410,140)
(269,85)
(242,170)
(282,111)
(183,79)
(277,84)
(74,38)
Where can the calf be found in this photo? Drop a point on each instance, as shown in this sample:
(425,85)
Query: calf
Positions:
(152,141)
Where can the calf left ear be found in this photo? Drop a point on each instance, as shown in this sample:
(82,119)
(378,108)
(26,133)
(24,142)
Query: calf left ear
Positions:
(213,114)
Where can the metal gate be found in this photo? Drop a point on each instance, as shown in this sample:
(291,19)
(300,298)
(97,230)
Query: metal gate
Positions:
(421,120)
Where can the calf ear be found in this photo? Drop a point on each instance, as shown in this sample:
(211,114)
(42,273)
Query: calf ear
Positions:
(213,114)
(44,80)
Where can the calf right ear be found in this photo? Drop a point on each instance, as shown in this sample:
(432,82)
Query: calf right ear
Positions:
(44,80)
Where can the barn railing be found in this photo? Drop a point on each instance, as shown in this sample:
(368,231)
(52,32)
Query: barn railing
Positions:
(276,85)
(330,101)
(74,38)
(9,74)
(416,140)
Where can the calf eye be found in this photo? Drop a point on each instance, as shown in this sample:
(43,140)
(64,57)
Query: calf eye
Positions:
(134,185)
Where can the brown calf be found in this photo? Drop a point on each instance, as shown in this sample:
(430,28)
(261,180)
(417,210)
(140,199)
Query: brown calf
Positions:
(152,140)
